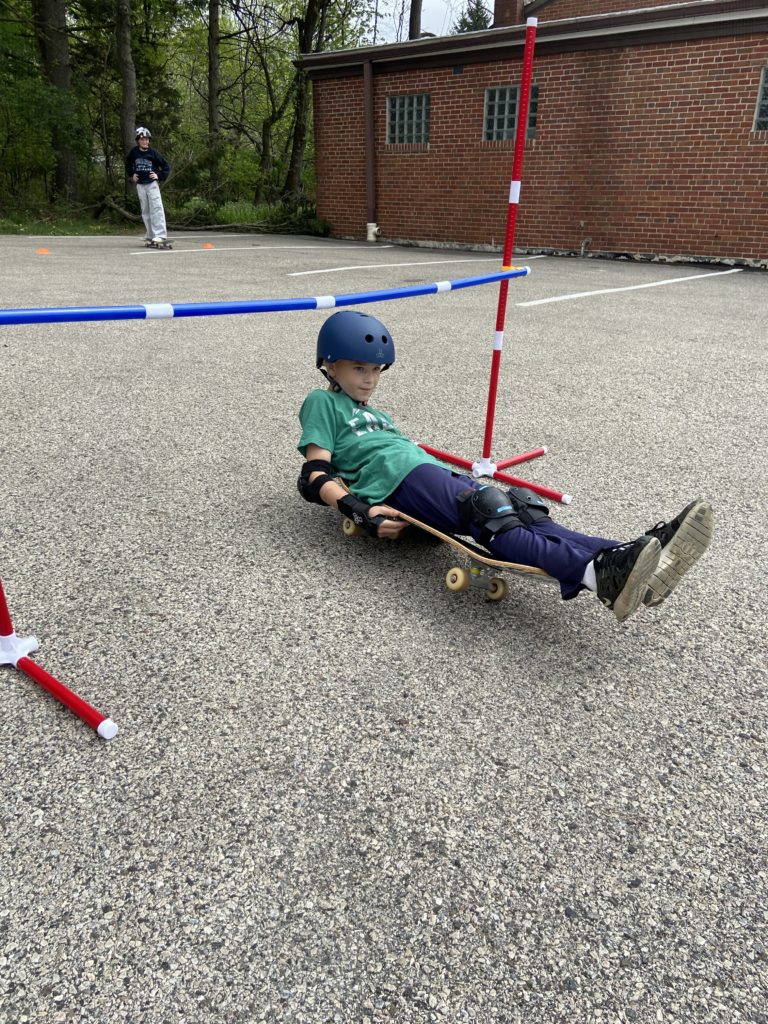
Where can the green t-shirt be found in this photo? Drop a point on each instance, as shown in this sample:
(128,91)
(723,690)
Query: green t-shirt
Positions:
(367,450)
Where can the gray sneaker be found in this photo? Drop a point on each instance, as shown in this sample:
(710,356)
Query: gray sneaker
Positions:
(623,574)
(683,540)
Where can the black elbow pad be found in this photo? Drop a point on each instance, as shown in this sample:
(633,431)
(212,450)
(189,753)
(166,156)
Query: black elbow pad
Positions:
(310,490)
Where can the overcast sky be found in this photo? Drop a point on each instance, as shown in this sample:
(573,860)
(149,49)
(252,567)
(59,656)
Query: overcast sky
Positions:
(437,17)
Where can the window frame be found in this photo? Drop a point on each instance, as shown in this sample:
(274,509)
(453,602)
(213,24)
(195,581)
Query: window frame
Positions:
(760,120)
(506,133)
(408,119)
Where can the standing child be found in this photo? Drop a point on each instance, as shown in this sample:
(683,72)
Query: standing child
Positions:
(146,168)
(387,473)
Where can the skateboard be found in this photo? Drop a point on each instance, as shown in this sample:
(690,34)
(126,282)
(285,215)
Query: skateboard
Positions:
(159,245)
(483,567)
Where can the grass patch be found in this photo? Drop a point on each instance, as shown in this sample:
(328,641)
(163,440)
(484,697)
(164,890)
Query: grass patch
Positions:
(287,218)
(59,224)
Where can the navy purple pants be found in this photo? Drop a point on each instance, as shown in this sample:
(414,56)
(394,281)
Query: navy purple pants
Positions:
(429,493)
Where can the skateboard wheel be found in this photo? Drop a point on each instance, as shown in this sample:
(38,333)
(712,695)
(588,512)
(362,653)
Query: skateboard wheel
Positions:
(351,529)
(497,589)
(457,579)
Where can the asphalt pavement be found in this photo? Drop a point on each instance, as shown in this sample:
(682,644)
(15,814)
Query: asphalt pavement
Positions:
(341,793)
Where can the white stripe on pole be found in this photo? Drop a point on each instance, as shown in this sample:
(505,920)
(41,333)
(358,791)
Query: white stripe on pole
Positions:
(443,286)
(159,310)
(514,192)
(325,301)
(498,341)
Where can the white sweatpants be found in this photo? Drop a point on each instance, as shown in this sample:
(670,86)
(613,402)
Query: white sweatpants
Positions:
(152,212)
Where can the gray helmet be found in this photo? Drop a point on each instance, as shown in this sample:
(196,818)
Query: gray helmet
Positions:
(356,336)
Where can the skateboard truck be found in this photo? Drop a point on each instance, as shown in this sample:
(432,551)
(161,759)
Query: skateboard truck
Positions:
(485,466)
(14,651)
(458,579)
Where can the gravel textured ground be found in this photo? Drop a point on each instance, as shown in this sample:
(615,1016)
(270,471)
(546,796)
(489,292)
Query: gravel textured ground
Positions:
(341,793)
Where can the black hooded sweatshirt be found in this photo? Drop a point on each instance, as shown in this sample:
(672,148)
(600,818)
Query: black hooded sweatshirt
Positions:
(142,161)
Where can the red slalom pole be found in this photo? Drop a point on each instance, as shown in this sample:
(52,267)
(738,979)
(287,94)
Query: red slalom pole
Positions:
(515,460)
(484,466)
(509,236)
(6,626)
(545,492)
(14,651)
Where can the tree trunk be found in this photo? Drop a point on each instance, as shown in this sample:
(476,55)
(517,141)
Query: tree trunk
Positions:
(127,72)
(50,20)
(311,33)
(414,21)
(214,85)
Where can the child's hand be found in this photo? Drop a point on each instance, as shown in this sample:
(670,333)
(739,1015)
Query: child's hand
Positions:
(152,176)
(392,526)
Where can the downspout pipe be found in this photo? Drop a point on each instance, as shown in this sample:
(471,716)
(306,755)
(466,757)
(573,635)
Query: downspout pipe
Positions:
(371,228)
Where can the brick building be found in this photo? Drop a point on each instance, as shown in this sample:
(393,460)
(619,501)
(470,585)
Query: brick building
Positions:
(648,132)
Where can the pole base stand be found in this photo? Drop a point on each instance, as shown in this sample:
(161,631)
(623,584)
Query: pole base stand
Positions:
(484,467)
(13,648)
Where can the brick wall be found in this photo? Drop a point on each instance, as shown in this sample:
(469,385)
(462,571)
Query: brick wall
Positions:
(555,9)
(646,150)
(340,154)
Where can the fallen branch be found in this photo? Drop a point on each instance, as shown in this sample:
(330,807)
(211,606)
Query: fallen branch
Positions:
(136,219)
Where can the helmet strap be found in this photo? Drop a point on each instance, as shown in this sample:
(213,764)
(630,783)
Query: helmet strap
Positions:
(331,381)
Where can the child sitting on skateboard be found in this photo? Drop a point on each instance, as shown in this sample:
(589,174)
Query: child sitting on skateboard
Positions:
(343,435)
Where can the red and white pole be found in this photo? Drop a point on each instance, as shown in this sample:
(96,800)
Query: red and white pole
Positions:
(509,236)
(14,651)
(485,466)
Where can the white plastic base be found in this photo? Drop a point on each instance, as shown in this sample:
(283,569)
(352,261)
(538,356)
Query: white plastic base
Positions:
(12,648)
(372,232)
(483,467)
(107,730)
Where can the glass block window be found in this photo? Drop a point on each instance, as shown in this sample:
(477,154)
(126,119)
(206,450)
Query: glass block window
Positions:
(501,106)
(408,119)
(761,114)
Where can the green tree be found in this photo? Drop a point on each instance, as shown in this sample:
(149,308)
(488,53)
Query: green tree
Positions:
(263,99)
(124,46)
(474,18)
(27,155)
(215,81)
(49,18)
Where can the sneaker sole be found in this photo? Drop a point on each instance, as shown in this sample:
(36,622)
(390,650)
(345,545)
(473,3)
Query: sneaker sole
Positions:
(691,540)
(631,597)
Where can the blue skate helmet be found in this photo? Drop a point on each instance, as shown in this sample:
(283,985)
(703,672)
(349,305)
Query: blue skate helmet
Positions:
(357,336)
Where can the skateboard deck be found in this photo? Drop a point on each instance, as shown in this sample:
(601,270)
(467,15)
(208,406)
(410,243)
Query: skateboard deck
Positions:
(159,245)
(483,567)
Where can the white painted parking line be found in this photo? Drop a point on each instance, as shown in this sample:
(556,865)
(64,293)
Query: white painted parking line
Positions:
(628,288)
(417,263)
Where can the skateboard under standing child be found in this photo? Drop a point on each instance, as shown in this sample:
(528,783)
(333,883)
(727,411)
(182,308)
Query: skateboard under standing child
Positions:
(344,436)
(146,168)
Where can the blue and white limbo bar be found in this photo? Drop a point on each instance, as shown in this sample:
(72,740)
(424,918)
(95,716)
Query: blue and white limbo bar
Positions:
(164,310)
